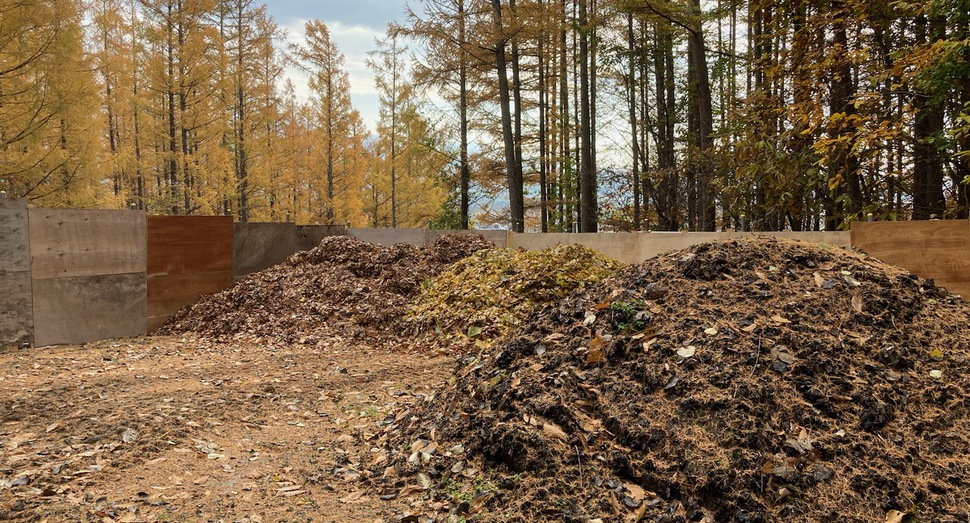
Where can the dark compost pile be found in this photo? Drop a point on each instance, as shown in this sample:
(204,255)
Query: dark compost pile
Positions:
(343,287)
(755,380)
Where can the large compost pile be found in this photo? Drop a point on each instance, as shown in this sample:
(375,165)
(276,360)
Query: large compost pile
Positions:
(481,298)
(343,287)
(761,380)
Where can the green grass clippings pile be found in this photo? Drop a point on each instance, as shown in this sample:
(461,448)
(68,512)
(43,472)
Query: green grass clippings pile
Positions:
(483,297)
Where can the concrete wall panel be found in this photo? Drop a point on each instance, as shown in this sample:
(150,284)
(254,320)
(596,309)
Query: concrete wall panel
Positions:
(499,238)
(256,246)
(89,308)
(16,308)
(388,236)
(88,274)
(72,243)
(14,250)
(309,236)
(621,246)
(636,247)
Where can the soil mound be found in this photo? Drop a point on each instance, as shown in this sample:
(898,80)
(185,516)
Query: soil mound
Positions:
(756,380)
(343,287)
(481,298)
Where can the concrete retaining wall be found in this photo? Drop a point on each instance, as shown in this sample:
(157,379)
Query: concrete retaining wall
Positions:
(636,247)
(75,276)
(420,236)
(16,304)
(87,274)
(257,246)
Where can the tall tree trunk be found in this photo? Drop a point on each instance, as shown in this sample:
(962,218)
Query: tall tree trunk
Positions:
(565,156)
(668,191)
(241,152)
(517,111)
(183,118)
(463,115)
(516,196)
(543,141)
(587,176)
(845,164)
(172,161)
(631,84)
(961,171)
(704,121)
(928,201)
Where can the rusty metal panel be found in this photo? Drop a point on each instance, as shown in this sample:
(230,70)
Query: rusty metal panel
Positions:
(188,257)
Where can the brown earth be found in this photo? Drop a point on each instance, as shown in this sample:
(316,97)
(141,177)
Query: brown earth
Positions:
(189,430)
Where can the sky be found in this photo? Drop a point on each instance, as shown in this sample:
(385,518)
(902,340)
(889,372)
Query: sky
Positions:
(353,25)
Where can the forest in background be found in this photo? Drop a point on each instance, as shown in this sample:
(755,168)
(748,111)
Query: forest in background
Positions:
(551,115)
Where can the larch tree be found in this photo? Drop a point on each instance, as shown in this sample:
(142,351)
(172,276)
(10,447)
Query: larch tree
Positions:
(330,85)
(48,137)
(390,77)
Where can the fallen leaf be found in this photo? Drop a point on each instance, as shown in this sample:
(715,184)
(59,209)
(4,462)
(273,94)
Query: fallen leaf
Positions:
(895,516)
(596,354)
(353,497)
(780,320)
(819,280)
(857,303)
(785,357)
(850,280)
(687,352)
(425,480)
(551,430)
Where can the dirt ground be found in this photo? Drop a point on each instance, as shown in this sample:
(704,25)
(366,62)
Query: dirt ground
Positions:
(179,429)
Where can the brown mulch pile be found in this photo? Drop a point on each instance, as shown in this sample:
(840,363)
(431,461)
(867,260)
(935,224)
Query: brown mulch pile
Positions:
(757,380)
(343,287)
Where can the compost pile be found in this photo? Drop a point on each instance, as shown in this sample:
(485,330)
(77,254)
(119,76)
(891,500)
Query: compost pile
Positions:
(483,297)
(342,288)
(756,380)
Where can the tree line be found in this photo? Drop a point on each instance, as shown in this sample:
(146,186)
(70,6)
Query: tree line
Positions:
(671,115)
(185,107)
(551,115)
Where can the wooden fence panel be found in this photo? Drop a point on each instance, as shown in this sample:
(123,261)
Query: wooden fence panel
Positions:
(937,249)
